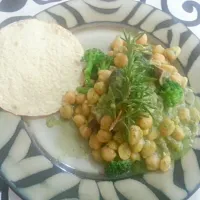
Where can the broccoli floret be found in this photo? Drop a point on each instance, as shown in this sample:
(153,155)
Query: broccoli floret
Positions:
(119,167)
(116,168)
(95,60)
(171,92)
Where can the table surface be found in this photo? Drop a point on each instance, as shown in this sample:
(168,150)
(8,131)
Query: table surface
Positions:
(186,11)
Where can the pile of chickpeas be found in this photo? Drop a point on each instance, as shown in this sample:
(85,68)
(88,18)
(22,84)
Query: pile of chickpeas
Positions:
(106,145)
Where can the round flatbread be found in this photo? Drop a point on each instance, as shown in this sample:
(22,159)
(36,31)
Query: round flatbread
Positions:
(39,62)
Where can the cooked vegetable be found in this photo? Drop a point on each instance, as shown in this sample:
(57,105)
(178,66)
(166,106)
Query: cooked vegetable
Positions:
(171,92)
(136,114)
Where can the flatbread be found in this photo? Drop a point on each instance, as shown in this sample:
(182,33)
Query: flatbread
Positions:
(39,62)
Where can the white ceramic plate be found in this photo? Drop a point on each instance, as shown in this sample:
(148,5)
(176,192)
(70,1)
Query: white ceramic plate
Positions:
(42,163)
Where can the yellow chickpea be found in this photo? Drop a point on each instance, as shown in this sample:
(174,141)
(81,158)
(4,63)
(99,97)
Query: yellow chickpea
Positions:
(153,162)
(118,137)
(69,98)
(153,135)
(111,53)
(135,134)
(172,53)
(104,136)
(106,122)
(78,110)
(118,42)
(184,82)
(108,154)
(97,155)
(104,75)
(165,163)
(138,147)
(167,127)
(168,68)
(178,133)
(145,122)
(120,60)
(80,98)
(79,120)
(142,40)
(148,149)
(124,151)
(85,109)
(113,145)
(176,77)
(195,114)
(85,131)
(184,115)
(100,87)
(135,156)
(92,96)
(158,57)
(66,111)
(94,143)
(158,49)
(145,132)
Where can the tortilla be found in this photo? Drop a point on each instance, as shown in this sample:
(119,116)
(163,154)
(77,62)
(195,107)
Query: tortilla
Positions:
(39,62)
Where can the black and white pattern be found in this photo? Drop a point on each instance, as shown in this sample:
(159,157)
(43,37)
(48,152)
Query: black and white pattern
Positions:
(27,168)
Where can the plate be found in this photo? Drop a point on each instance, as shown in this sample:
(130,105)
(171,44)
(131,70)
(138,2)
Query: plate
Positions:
(42,163)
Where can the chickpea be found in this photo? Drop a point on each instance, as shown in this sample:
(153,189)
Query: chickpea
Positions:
(80,98)
(145,122)
(106,122)
(108,154)
(153,162)
(138,147)
(104,136)
(100,87)
(66,111)
(135,134)
(172,53)
(184,82)
(85,131)
(124,151)
(176,77)
(168,68)
(120,60)
(111,53)
(158,49)
(69,98)
(153,135)
(165,163)
(184,115)
(94,143)
(145,132)
(158,57)
(92,96)
(97,155)
(148,149)
(104,75)
(78,110)
(195,114)
(142,40)
(178,133)
(118,42)
(85,109)
(113,145)
(118,137)
(135,157)
(167,127)
(79,120)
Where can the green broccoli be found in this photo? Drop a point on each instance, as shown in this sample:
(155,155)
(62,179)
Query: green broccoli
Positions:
(116,168)
(171,92)
(95,60)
